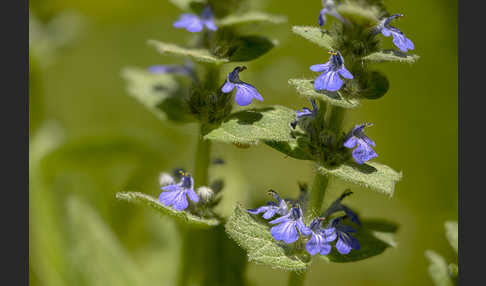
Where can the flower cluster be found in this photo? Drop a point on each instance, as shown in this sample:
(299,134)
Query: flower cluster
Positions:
(290,225)
(194,23)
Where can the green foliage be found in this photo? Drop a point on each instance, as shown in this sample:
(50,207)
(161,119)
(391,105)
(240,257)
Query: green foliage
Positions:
(198,55)
(374,236)
(315,35)
(305,87)
(254,125)
(255,238)
(161,94)
(359,13)
(181,216)
(186,4)
(97,255)
(247,48)
(370,175)
(452,232)
(375,85)
(438,269)
(295,148)
(249,18)
(391,56)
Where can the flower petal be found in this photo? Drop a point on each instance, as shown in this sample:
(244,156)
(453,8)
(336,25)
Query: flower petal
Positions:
(313,245)
(386,32)
(320,67)
(284,218)
(171,188)
(328,81)
(195,26)
(285,231)
(167,198)
(303,229)
(210,25)
(245,94)
(192,195)
(350,142)
(180,201)
(343,246)
(325,248)
(345,73)
(227,87)
(363,153)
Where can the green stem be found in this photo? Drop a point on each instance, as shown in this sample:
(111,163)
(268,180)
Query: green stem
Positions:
(296,279)
(316,196)
(202,160)
(336,118)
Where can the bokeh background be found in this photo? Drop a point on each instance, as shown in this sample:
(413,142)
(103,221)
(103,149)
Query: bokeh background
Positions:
(81,235)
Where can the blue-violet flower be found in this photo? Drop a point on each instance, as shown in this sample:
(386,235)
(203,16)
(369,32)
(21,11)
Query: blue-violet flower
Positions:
(272,208)
(175,194)
(363,152)
(194,23)
(330,9)
(346,241)
(329,79)
(288,225)
(245,92)
(321,238)
(305,115)
(338,206)
(399,39)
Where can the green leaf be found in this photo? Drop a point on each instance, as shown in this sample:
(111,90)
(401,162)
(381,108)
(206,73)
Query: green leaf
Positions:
(98,256)
(250,17)
(371,175)
(438,269)
(161,94)
(248,48)
(376,86)
(294,148)
(199,55)
(359,13)
(255,238)
(254,125)
(185,4)
(315,35)
(391,56)
(452,233)
(305,87)
(181,216)
(374,237)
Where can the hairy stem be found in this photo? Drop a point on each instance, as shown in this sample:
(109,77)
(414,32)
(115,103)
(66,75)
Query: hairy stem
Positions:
(316,196)
(201,161)
(336,119)
(296,279)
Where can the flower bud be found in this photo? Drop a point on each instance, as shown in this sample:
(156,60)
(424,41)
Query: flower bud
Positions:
(166,179)
(205,193)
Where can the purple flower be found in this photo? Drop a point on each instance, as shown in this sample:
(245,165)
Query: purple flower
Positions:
(330,9)
(272,208)
(346,241)
(194,23)
(175,194)
(321,238)
(186,70)
(288,225)
(336,206)
(399,39)
(329,79)
(305,115)
(363,152)
(245,92)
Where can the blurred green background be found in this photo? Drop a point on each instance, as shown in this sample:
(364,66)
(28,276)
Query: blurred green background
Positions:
(79,233)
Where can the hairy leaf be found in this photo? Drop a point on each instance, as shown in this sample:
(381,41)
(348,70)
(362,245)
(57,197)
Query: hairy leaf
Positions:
(371,175)
(254,125)
(315,35)
(305,87)
(391,56)
(248,48)
(452,233)
(199,55)
(438,269)
(293,148)
(250,17)
(161,94)
(358,12)
(181,216)
(255,238)
(374,236)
